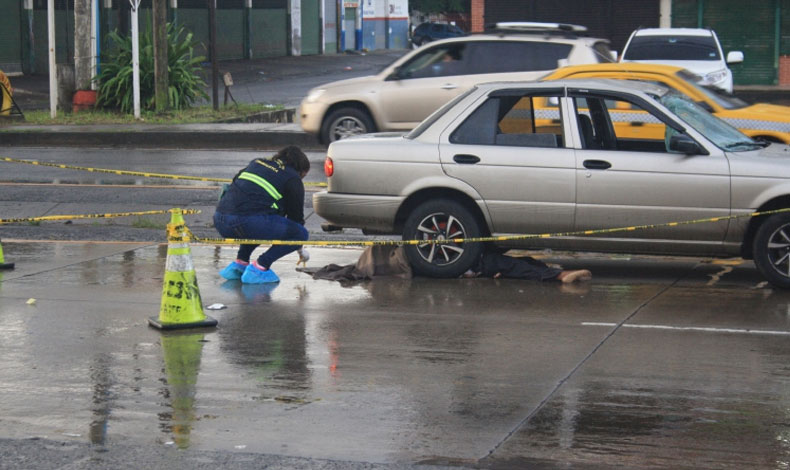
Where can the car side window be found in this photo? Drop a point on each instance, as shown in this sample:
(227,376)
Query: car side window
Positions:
(515,56)
(440,61)
(513,120)
(615,124)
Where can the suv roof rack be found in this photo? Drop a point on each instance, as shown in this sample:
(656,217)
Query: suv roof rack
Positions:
(531,27)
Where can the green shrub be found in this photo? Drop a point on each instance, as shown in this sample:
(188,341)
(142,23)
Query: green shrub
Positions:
(186,84)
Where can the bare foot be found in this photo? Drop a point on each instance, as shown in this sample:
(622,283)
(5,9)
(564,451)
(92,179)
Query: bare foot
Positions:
(566,277)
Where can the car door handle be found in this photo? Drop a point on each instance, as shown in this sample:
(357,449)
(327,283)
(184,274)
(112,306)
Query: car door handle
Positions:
(465,158)
(597,164)
(449,86)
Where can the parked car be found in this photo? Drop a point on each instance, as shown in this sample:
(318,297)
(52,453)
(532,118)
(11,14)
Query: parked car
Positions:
(694,49)
(760,121)
(427,32)
(406,92)
(487,164)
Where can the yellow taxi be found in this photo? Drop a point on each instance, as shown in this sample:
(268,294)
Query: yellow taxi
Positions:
(760,121)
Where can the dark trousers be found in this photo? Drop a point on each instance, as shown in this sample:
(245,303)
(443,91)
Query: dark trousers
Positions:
(493,263)
(260,227)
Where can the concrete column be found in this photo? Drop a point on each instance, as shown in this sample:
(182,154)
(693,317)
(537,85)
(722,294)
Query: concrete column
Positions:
(478,8)
(665,20)
(83,58)
(296,27)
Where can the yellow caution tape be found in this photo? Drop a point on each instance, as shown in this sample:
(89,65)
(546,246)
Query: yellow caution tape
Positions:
(93,216)
(129,173)
(232,241)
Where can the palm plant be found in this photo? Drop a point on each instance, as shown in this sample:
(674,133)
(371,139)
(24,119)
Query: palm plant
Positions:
(185,82)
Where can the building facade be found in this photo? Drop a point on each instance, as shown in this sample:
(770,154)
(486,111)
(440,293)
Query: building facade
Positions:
(246,28)
(268,28)
(760,29)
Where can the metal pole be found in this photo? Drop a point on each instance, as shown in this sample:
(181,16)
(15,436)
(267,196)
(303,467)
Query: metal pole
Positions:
(212,20)
(95,32)
(53,72)
(135,58)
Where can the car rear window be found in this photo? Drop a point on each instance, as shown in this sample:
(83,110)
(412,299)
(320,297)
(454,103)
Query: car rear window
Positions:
(516,56)
(674,47)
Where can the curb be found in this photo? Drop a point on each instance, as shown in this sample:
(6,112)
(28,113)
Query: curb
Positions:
(169,139)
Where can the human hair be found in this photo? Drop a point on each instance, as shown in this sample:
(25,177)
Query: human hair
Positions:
(294,157)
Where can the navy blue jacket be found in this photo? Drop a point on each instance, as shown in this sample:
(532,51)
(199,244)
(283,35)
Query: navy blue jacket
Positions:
(265,187)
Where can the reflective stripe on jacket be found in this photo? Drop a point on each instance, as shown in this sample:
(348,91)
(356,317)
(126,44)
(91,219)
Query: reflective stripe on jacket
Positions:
(257,189)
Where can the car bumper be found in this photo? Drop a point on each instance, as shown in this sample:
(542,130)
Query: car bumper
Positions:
(310,116)
(372,213)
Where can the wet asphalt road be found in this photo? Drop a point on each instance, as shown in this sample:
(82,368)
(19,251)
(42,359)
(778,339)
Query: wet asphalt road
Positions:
(674,363)
(656,363)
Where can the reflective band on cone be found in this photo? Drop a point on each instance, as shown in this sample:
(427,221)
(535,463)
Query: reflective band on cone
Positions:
(181,303)
(3,264)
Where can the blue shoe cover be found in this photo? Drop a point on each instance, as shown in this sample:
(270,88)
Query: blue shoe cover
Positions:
(233,271)
(253,275)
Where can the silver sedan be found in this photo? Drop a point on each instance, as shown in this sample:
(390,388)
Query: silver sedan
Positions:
(571,158)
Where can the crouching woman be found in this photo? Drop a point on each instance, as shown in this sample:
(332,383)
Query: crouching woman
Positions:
(265,201)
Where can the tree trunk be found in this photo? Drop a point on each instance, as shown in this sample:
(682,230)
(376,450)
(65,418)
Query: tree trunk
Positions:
(161,80)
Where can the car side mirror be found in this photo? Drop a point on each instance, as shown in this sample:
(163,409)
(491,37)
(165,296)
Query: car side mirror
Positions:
(395,75)
(682,143)
(704,105)
(734,57)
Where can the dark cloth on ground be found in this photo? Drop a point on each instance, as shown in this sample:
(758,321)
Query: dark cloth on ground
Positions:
(493,263)
(390,261)
(376,261)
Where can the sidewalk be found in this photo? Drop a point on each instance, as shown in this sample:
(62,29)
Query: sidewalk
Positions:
(184,136)
(31,92)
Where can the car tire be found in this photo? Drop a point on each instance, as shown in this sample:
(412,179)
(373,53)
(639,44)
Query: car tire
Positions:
(772,250)
(345,122)
(442,219)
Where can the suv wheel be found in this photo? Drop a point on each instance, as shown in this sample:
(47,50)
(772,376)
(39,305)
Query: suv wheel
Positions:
(345,122)
(772,250)
(442,219)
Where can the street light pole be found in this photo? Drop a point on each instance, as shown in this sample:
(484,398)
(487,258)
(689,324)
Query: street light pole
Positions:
(135,58)
(53,72)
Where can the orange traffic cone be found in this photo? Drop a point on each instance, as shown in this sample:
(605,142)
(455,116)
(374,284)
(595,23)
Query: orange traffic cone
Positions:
(3,264)
(181,303)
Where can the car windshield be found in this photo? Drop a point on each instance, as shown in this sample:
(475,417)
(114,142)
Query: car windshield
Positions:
(714,129)
(428,122)
(672,47)
(712,93)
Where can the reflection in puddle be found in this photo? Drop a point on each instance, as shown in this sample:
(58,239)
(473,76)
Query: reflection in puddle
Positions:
(181,353)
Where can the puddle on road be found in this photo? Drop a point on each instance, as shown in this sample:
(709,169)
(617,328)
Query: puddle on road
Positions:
(390,370)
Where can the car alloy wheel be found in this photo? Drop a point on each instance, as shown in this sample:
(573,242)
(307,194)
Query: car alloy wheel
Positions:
(772,250)
(437,221)
(346,122)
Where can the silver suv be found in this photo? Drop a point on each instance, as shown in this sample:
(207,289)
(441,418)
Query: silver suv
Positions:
(407,91)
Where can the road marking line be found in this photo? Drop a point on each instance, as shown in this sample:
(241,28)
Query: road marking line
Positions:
(694,328)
